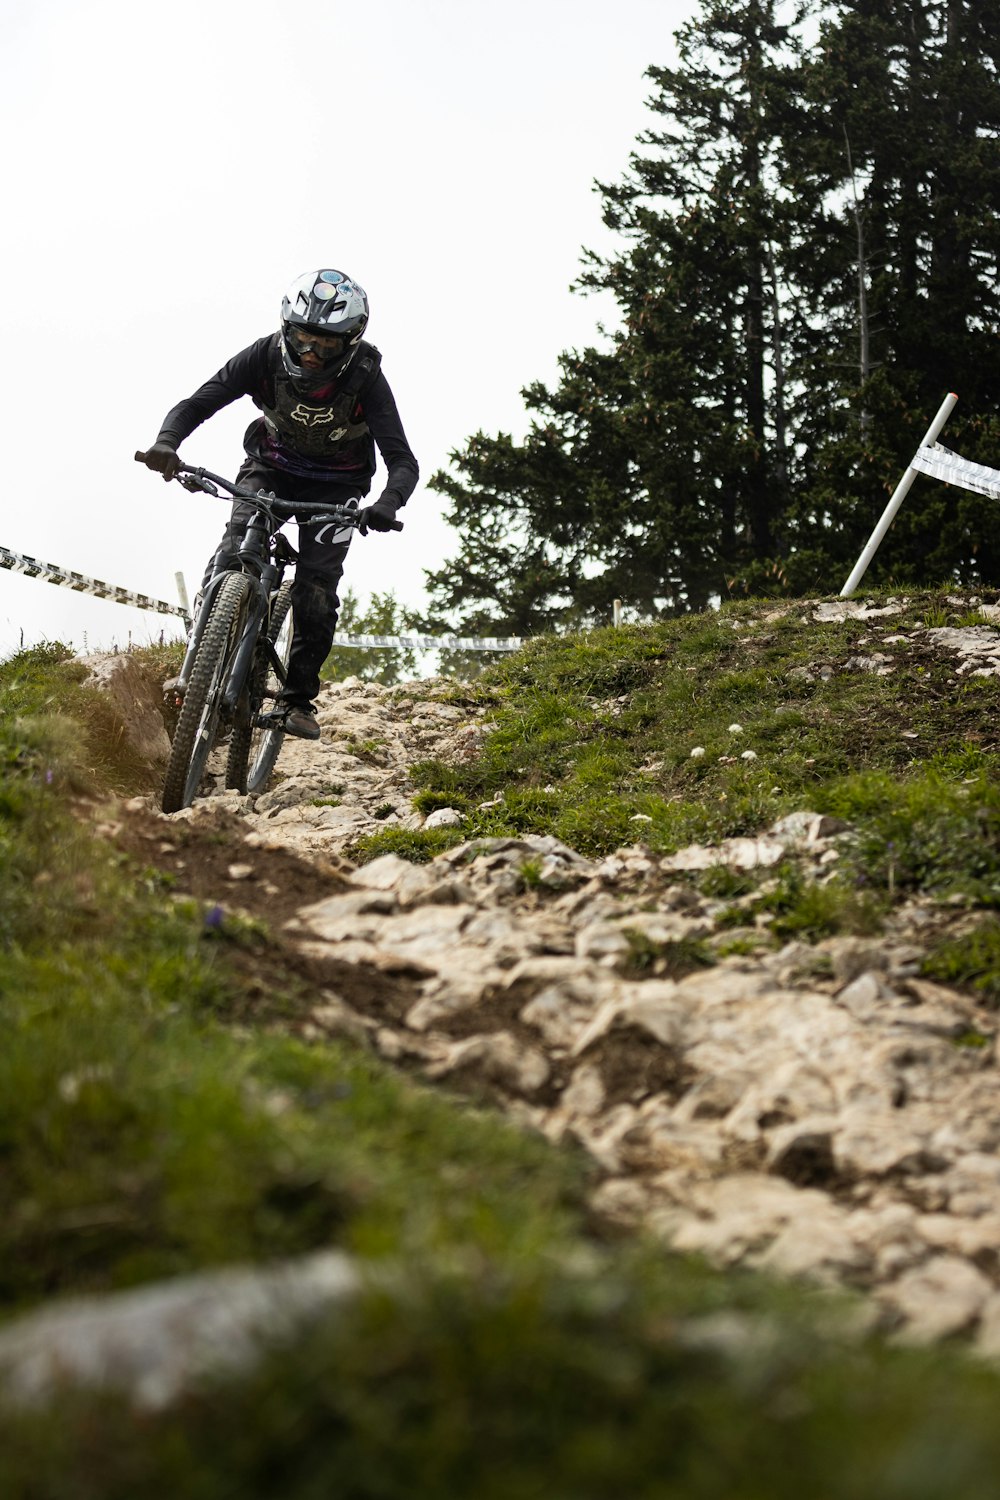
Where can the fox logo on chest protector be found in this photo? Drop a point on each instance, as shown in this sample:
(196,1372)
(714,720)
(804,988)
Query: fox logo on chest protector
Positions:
(317,416)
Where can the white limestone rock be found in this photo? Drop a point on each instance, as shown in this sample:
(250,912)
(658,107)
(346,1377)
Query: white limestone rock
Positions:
(498,1057)
(943,1297)
(154,1343)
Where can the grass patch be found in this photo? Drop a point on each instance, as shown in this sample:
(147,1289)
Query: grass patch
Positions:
(371,750)
(432,801)
(970,962)
(671,959)
(416,844)
(802,908)
(931,831)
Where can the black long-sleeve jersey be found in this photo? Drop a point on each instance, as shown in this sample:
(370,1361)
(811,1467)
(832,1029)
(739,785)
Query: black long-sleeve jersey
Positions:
(255,372)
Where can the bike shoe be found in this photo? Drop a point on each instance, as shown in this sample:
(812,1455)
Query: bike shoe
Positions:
(301,722)
(172,688)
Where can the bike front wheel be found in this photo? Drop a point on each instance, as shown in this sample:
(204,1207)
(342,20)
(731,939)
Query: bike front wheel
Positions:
(254,748)
(198,722)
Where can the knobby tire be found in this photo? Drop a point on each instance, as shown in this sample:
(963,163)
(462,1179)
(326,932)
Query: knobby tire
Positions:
(194,736)
(253,750)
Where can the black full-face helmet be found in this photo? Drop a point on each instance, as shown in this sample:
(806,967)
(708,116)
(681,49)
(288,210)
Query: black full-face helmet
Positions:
(323,317)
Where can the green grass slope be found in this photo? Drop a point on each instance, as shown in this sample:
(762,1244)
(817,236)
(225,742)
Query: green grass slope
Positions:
(714,726)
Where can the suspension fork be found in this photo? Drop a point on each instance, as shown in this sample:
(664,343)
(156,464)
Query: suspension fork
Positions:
(198,628)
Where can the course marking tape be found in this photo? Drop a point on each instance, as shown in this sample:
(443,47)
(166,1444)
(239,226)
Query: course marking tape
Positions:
(941,463)
(80,584)
(434,642)
(17,562)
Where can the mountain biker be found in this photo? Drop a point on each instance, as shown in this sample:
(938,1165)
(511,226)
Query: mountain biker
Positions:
(325,404)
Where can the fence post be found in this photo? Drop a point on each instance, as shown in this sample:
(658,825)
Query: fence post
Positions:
(182,593)
(898,496)
(616,612)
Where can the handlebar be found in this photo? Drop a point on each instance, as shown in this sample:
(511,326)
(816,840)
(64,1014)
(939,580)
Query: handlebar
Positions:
(208,483)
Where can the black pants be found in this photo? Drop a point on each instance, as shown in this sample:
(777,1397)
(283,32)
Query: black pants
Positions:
(322,551)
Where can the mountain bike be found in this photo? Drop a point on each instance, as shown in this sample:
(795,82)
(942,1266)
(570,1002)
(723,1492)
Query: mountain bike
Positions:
(237,656)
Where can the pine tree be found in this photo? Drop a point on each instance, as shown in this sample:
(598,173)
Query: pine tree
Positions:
(811,242)
(655,471)
(900,128)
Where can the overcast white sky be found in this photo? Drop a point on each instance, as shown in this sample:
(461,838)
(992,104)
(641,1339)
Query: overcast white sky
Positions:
(170,169)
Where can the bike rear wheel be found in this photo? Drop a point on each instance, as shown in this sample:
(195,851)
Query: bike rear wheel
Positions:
(254,748)
(198,722)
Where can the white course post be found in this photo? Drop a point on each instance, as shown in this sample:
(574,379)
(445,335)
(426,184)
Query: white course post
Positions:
(898,496)
(616,612)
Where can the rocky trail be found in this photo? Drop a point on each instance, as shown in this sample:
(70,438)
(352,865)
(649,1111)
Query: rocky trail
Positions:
(810,1110)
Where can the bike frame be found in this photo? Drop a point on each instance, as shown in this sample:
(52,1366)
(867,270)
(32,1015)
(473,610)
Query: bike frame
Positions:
(264,554)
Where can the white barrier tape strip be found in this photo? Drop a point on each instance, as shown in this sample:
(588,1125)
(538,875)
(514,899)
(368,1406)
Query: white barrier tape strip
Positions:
(941,463)
(434,642)
(16,562)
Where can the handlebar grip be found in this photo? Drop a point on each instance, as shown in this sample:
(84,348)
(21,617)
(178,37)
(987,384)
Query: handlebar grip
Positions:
(140,458)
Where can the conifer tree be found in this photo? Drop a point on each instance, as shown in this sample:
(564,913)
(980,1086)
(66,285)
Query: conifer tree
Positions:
(810,250)
(655,470)
(900,130)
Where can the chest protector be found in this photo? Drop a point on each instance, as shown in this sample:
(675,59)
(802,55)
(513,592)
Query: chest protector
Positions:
(317,429)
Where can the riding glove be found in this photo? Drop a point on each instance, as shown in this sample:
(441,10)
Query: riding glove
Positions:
(380,517)
(164,459)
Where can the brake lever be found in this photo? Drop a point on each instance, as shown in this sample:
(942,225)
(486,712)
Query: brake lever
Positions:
(192,483)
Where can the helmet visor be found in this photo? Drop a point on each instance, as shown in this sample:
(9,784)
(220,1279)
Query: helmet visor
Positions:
(311,341)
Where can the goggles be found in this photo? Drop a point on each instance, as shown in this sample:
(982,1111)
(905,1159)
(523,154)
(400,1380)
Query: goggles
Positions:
(304,340)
